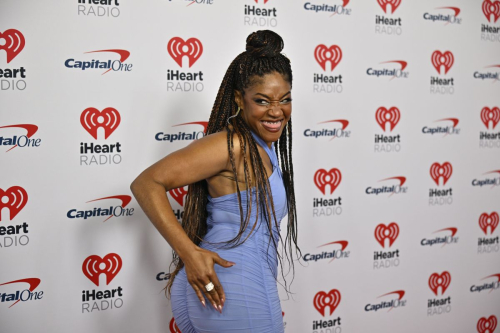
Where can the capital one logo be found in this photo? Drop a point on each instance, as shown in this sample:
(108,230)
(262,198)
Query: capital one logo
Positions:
(441,170)
(178,48)
(94,266)
(383,232)
(323,299)
(492,115)
(491,8)
(23,296)
(445,59)
(14,198)
(384,116)
(487,325)
(439,280)
(30,131)
(92,119)
(179,194)
(490,221)
(14,43)
(322,178)
(323,54)
(385,5)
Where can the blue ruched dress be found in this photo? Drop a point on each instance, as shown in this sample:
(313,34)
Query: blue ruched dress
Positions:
(252,302)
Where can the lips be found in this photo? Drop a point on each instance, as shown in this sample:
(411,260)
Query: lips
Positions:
(272,126)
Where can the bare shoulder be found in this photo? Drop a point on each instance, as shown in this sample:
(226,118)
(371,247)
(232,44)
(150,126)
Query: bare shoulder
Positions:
(218,143)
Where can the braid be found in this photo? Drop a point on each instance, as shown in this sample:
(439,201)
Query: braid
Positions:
(262,56)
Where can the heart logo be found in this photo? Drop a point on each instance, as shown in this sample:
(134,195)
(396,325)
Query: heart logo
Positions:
(330,299)
(492,115)
(323,54)
(486,221)
(323,178)
(178,48)
(94,266)
(17,197)
(91,119)
(490,7)
(14,43)
(441,170)
(436,281)
(487,325)
(384,116)
(385,5)
(383,232)
(178,194)
(446,59)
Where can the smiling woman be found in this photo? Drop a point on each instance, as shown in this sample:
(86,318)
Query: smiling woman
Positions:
(239,191)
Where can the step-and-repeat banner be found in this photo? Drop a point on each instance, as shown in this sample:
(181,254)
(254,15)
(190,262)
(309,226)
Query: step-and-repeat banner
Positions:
(396,149)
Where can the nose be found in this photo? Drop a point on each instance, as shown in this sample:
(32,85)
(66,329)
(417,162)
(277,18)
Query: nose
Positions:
(275,109)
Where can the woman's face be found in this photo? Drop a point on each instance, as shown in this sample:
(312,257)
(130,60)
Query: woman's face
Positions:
(266,106)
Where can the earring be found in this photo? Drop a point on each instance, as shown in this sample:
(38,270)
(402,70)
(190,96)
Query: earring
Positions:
(235,115)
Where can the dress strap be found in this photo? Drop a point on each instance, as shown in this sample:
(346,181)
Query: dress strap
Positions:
(270,151)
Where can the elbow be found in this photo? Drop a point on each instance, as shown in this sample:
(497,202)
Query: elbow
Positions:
(136,184)
(143,181)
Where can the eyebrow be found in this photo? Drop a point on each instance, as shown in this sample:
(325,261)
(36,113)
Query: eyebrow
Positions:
(270,97)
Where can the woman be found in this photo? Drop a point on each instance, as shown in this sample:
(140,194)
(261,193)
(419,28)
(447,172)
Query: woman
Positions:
(237,196)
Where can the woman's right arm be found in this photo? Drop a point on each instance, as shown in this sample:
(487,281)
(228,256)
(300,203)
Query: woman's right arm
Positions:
(200,160)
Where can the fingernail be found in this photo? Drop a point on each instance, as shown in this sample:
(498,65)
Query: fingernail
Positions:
(220,309)
(215,306)
(203,302)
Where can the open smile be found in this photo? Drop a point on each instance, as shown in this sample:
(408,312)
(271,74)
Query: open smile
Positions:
(272,126)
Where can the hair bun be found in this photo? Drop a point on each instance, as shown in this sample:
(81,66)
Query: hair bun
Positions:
(264,43)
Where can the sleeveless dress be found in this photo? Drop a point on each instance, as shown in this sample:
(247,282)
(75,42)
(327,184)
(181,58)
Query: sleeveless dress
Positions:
(252,302)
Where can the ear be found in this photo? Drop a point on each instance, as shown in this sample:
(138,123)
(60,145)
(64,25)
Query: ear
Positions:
(238,98)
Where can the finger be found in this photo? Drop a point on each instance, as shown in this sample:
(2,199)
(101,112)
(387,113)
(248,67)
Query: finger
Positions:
(199,294)
(215,294)
(207,294)
(223,262)
(218,288)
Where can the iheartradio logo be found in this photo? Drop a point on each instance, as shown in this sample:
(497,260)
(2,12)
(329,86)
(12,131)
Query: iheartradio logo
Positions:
(178,194)
(384,116)
(385,5)
(491,8)
(265,1)
(487,325)
(94,266)
(91,119)
(492,115)
(14,43)
(383,232)
(445,59)
(323,299)
(323,54)
(436,280)
(441,170)
(14,198)
(322,178)
(178,48)
(490,221)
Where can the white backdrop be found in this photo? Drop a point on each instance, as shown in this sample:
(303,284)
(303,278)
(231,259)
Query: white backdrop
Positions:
(405,261)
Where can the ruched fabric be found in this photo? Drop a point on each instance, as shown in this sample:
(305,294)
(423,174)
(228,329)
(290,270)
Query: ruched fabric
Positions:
(252,302)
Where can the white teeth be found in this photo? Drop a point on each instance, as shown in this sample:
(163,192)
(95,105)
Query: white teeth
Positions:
(272,122)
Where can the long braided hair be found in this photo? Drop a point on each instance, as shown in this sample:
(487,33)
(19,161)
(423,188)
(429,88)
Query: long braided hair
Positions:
(262,56)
